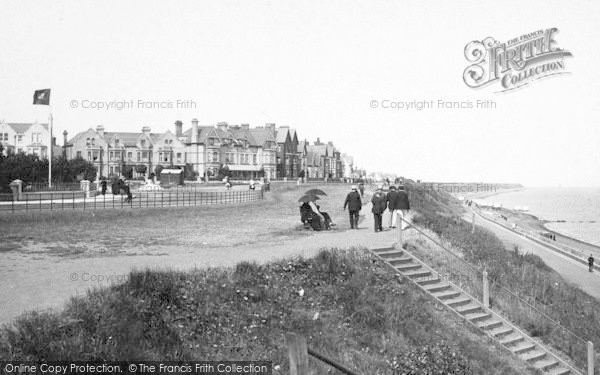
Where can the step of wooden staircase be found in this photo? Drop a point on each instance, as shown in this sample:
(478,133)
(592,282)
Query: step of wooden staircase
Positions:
(505,333)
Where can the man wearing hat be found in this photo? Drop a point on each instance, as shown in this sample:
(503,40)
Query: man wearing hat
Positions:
(392,198)
(379,202)
(401,207)
(354,204)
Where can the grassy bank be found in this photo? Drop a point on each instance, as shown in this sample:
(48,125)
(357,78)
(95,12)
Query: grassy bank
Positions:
(524,274)
(351,309)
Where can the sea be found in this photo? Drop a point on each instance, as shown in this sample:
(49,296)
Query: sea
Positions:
(574,212)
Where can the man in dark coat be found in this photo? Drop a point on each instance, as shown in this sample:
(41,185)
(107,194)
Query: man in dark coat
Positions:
(354,204)
(591,263)
(392,197)
(379,202)
(401,207)
(103,184)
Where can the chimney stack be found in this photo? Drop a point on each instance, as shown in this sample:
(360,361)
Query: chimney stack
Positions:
(145,130)
(222,126)
(194,131)
(318,142)
(53,141)
(330,143)
(245,126)
(65,133)
(178,128)
(270,126)
(100,130)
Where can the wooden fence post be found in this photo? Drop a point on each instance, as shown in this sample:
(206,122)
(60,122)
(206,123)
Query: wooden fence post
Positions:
(486,290)
(590,358)
(298,353)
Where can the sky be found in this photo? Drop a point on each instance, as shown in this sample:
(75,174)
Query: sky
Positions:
(317,66)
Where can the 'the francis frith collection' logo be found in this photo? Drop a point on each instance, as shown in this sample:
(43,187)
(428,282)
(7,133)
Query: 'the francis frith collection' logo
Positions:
(515,63)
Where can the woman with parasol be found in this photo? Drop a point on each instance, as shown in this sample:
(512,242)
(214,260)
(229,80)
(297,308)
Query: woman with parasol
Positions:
(310,213)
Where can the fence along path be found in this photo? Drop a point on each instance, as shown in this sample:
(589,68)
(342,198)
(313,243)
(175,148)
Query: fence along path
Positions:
(477,310)
(141,199)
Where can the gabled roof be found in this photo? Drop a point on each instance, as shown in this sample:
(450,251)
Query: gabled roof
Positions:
(203,132)
(125,138)
(21,127)
(82,134)
(281,134)
(262,135)
(242,134)
(294,135)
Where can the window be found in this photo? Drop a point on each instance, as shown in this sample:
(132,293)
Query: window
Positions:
(111,156)
(89,156)
(179,157)
(78,155)
(93,141)
(254,157)
(129,156)
(143,143)
(116,143)
(166,141)
(211,141)
(4,136)
(216,157)
(87,141)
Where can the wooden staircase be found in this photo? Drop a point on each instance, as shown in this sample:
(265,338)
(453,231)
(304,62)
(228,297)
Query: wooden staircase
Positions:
(469,308)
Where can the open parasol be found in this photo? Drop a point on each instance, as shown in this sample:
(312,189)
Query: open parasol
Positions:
(315,192)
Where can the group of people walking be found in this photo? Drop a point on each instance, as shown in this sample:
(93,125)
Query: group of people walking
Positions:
(396,201)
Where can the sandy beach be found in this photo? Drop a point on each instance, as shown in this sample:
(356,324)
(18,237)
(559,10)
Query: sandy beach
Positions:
(533,224)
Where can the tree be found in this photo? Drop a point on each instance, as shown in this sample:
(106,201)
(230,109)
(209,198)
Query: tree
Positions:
(73,170)
(189,173)
(223,172)
(158,169)
(141,168)
(128,171)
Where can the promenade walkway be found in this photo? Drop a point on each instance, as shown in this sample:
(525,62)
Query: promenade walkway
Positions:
(571,270)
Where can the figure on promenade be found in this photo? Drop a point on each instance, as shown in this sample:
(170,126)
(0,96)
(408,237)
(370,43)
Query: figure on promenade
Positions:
(591,263)
(361,188)
(103,185)
(252,184)
(401,207)
(379,202)
(354,203)
(392,197)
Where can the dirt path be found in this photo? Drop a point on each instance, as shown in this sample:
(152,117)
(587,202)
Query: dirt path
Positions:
(33,282)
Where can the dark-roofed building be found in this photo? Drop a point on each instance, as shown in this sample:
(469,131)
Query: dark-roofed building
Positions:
(288,158)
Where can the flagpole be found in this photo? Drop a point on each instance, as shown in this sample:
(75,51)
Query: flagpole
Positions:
(50,153)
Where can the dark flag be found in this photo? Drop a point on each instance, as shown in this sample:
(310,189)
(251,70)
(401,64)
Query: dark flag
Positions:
(42,97)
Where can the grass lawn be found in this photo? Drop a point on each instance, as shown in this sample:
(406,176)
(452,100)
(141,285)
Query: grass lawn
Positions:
(351,309)
(125,231)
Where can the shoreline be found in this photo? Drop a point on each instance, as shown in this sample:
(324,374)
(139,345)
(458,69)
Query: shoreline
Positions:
(531,222)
